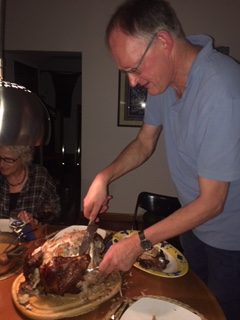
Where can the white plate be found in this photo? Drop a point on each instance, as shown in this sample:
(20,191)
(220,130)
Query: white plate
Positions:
(78,228)
(4,225)
(67,230)
(146,308)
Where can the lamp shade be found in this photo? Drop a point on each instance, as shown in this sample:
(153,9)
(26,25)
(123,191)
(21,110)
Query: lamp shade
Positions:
(24,119)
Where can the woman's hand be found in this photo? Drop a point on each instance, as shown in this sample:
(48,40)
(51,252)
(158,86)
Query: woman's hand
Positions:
(121,256)
(27,217)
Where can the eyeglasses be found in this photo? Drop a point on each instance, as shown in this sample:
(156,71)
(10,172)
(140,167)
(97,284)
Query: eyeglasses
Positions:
(8,160)
(136,69)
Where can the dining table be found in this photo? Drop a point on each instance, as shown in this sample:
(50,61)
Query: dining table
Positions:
(188,290)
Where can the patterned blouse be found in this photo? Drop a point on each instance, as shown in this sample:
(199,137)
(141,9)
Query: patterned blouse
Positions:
(38,197)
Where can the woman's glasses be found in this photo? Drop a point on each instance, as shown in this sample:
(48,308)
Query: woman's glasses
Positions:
(8,160)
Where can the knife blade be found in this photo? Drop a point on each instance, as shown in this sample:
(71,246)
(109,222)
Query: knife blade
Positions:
(88,237)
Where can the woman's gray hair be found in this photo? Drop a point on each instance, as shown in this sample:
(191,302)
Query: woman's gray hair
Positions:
(144,18)
(25,153)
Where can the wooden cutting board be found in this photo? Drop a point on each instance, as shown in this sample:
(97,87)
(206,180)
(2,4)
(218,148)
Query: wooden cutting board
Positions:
(51,307)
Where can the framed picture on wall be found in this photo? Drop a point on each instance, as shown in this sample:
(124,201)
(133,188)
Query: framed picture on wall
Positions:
(131,103)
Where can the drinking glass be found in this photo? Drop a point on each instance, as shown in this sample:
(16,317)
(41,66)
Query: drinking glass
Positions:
(15,223)
(23,230)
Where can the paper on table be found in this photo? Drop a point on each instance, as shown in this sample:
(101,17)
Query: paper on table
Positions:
(4,225)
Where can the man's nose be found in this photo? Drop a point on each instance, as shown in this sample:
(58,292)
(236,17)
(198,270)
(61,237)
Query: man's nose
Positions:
(133,79)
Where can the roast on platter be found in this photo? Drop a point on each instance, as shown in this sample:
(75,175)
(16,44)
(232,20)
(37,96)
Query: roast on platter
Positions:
(58,282)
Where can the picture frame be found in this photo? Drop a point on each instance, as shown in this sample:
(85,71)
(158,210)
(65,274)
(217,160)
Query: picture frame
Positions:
(131,103)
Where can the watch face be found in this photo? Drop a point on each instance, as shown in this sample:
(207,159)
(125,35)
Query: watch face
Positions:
(146,244)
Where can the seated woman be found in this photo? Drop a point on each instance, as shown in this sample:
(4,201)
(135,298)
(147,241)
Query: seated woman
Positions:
(26,189)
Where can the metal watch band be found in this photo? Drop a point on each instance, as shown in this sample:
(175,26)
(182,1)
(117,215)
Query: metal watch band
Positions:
(145,243)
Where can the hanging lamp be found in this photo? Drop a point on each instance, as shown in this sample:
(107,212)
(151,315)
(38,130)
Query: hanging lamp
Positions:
(24,120)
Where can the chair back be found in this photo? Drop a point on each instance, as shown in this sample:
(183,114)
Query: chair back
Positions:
(158,205)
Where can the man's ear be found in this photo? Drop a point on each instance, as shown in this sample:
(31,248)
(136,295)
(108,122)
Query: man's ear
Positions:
(166,40)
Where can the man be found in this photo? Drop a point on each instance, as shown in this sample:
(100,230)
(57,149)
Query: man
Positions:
(194,96)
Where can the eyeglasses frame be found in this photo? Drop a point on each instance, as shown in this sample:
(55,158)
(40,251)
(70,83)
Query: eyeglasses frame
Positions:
(8,160)
(136,70)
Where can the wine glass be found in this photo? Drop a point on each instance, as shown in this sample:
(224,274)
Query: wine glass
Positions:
(23,230)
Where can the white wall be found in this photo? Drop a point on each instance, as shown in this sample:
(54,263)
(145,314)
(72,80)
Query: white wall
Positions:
(78,25)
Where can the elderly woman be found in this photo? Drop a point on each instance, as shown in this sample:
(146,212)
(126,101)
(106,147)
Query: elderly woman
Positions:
(26,188)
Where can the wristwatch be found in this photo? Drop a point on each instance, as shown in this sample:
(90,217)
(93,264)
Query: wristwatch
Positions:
(144,243)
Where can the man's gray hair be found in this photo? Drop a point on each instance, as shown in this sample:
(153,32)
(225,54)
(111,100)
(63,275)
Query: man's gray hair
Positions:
(144,18)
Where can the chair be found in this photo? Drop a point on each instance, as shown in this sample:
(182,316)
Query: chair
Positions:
(155,207)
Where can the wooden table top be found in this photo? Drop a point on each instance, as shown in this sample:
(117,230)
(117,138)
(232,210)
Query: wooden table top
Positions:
(188,289)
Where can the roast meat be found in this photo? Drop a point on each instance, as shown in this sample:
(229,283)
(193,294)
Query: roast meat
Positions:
(63,274)
(56,266)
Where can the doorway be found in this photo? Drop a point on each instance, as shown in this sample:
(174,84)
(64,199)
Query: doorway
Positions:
(56,78)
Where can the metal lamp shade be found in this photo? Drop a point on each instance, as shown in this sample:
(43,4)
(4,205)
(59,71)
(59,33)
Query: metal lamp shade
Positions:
(24,120)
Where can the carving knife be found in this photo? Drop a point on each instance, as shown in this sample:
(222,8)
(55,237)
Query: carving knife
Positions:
(88,237)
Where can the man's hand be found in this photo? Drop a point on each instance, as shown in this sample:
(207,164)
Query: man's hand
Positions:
(97,199)
(121,256)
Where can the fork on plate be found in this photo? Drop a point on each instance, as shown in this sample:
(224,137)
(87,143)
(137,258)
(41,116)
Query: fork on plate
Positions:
(119,310)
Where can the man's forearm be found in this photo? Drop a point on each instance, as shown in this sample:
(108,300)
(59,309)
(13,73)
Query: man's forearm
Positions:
(134,155)
(130,158)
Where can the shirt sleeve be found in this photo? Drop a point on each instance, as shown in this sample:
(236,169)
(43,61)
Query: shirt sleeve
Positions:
(153,113)
(219,155)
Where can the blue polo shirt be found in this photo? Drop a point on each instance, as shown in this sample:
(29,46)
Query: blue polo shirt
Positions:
(202,137)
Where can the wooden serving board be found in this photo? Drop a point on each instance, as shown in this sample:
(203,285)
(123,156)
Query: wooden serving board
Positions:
(51,307)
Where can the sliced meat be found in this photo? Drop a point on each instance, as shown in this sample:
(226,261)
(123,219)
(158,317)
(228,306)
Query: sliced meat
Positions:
(155,260)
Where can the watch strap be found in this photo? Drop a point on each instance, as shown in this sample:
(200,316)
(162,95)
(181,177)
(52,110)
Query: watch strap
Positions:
(145,243)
